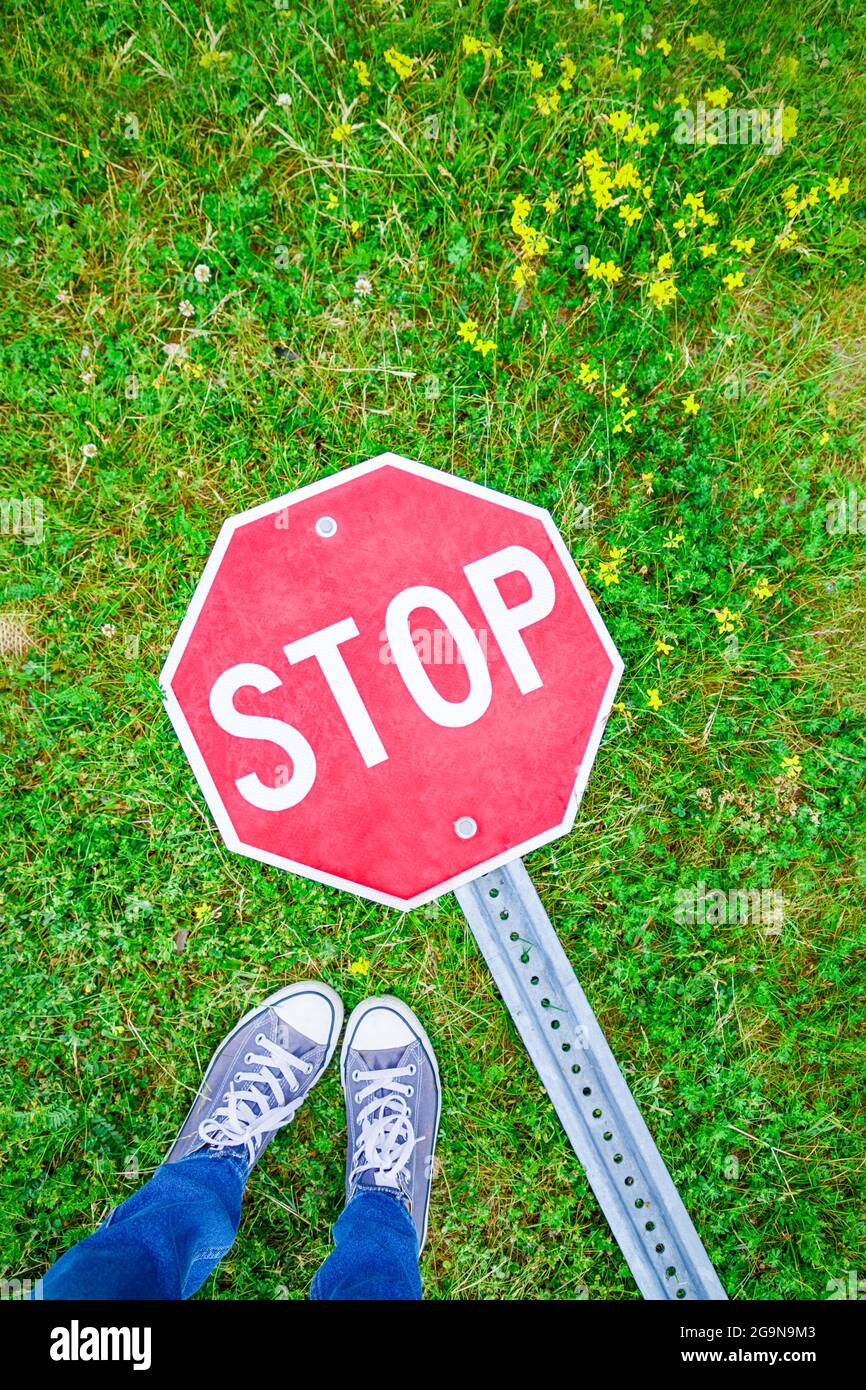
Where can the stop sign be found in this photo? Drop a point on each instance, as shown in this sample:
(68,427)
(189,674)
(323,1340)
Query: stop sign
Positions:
(391,681)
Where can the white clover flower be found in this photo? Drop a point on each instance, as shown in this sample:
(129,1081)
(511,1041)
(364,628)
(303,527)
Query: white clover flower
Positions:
(108,629)
(284,99)
(185,309)
(88,378)
(363,286)
(202,274)
(89,451)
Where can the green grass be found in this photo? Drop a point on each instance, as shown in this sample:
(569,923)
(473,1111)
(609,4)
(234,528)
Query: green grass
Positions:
(127,163)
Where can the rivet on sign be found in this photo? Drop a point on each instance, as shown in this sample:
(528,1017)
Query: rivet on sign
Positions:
(465,828)
(326,526)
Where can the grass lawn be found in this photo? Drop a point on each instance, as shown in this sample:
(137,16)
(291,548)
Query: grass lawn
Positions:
(242,252)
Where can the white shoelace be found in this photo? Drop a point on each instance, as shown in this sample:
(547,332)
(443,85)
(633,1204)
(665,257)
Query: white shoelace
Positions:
(236,1121)
(387,1137)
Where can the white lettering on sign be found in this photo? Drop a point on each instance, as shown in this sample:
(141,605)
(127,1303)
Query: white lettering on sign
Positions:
(506,624)
(285,736)
(325,647)
(449,714)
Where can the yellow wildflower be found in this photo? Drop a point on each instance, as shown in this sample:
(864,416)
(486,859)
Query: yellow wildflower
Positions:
(341,132)
(673,542)
(718,97)
(402,64)
(792,766)
(662,293)
(663,648)
(484,346)
(362,72)
(725,619)
(468,330)
(735,281)
(745,245)
(691,406)
(762,589)
(653,699)
(837,188)
(534,68)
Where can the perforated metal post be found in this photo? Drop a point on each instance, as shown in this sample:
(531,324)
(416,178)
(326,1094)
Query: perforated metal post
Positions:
(598,1112)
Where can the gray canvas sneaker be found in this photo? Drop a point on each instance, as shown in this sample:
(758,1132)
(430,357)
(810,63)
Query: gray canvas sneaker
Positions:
(262,1072)
(393,1098)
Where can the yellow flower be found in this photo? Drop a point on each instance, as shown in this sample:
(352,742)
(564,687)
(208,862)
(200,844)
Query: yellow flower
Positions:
(653,699)
(534,68)
(629,215)
(617,553)
(725,619)
(603,270)
(734,282)
(745,245)
(402,64)
(547,105)
(762,589)
(468,330)
(664,263)
(333,202)
(718,97)
(823,438)
(792,766)
(569,72)
(663,648)
(662,292)
(609,573)
(709,248)
(691,406)
(619,120)
(362,71)
(484,346)
(837,188)
(360,967)
(673,542)
(340,132)
(551,204)
(587,375)
(681,101)
(758,491)
(664,47)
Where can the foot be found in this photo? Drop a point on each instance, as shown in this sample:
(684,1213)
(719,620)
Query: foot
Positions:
(391,1082)
(262,1072)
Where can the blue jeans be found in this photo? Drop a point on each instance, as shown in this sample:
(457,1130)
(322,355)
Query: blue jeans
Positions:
(165,1240)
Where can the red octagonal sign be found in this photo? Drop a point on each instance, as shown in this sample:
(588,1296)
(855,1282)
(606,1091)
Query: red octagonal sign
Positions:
(391,681)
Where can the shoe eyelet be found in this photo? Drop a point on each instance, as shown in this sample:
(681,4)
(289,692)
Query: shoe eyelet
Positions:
(356,1076)
(248,1058)
(412,1069)
(260,1038)
(357,1097)
(237,1076)
(410,1090)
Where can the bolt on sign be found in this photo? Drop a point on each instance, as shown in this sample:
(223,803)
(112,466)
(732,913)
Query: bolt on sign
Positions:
(395,682)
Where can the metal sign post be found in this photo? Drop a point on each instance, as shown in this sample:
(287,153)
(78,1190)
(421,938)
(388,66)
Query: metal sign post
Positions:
(590,1095)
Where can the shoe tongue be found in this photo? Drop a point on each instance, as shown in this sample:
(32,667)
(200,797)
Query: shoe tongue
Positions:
(386,1060)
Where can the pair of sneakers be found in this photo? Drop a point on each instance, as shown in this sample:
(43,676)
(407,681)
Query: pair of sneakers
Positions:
(265,1068)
